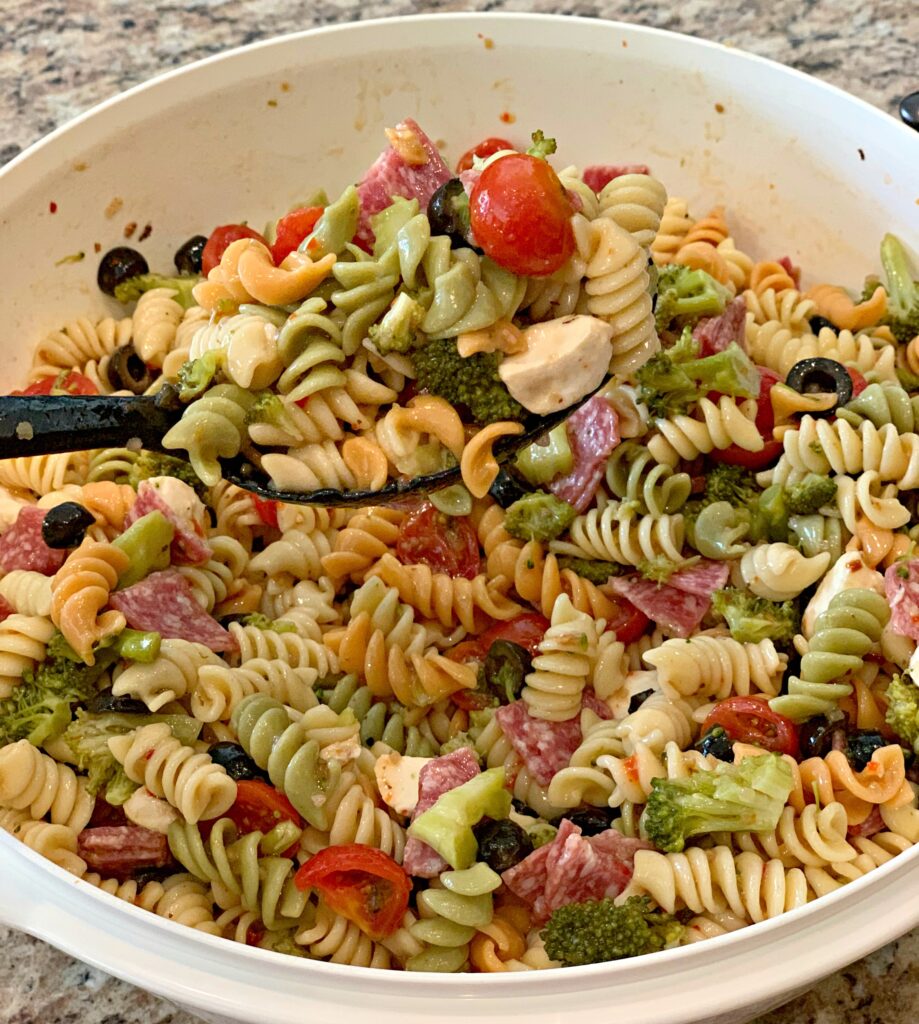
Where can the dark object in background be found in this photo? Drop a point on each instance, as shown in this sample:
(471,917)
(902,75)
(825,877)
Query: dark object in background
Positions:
(188,256)
(117,265)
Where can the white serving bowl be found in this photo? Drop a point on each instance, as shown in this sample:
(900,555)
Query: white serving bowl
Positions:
(804,170)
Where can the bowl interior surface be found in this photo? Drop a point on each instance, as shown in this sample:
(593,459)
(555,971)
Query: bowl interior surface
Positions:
(802,169)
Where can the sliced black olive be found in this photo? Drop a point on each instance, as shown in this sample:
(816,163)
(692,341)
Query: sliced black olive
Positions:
(817,323)
(505,668)
(638,699)
(448,212)
(591,820)
(128,372)
(502,844)
(105,702)
(188,256)
(817,735)
(65,525)
(117,266)
(860,747)
(168,398)
(717,742)
(507,489)
(236,761)
(819,375)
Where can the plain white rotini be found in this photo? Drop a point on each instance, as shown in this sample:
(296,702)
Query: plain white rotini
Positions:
(28,593)
(631,777)
(716,667)
(58,843)
(33,781)
(43,473)
(220,688)
(189,780)
(721,425)
(779,572)
(170,676)
(620,534)
(814,837)
(866,498)
(297,651)
(298,553)
(22,646)
(636,202)
(213,581)
(788,307)
(156,319)
(77,343)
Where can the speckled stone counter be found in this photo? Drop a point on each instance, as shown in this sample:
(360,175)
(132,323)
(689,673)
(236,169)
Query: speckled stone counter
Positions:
(58,59)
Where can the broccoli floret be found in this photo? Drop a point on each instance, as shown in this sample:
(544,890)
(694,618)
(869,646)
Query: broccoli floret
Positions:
(151,464)
(542,147)
(540,463)
(197,375)
(39,707)
(597,930)
(669,383)
(769,515)
(684,294)
(473,381)
(745,797)
(902,290)
(132,289)
(87,737)
(732,484)
(267,408)
(660,568)
(903,709)
(398,330)
(263,622)
(752,619)
(539,516)
(810,495)
(591,569)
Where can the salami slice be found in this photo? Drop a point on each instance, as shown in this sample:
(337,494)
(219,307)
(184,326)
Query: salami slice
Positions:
(873,824)
(593,433)
(677,612)
(165,603)
(573,868)
(598,175)
(117,851)
(182,507)
(22,546)
(392,175)
(703,578)
(903,598)
(436,778)
(715,333)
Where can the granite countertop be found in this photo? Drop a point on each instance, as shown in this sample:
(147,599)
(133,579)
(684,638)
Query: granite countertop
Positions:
(59,58)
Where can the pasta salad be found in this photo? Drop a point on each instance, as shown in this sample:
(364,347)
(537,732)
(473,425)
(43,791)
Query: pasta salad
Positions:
(651,683)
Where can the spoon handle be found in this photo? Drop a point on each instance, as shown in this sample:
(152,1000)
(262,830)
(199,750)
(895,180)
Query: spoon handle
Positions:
(45,424)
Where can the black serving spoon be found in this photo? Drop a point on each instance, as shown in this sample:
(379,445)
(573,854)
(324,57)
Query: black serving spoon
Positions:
(44,425)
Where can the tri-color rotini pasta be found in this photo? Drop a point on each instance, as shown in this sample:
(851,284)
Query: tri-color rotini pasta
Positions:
(491,708)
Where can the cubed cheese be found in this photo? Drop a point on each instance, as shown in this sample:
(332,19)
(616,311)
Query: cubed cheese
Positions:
(397,780)
(565,359)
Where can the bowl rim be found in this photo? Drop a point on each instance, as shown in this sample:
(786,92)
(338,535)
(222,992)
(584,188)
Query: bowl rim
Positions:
(509,983)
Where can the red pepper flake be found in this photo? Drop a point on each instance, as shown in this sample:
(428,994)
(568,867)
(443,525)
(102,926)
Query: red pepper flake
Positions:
(148,230)
(130,228)
(97,247)
(52,207)
(507,117)
(630,764)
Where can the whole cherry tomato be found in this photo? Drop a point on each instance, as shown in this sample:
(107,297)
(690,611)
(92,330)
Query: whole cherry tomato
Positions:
(445,543)
(292,228)
(220,238)
(521,216)
(751,720)
(486,148)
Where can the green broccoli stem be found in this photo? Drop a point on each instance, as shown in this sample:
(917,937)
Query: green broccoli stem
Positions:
(146,543)
(137,645)
(540,463)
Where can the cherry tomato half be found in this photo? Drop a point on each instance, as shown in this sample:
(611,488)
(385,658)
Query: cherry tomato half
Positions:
(445,543)
(220,238)
(521,216)
(765,421)
(627,622)
(858,381)
(259,807)
(292,228)
(525,630)
(73,383)
(266,509)
(363,884)
(751,720)
(486,148)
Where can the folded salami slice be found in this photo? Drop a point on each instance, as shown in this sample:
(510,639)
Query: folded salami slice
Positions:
(593,433)
(703,578)
(117,851)
(598,175)
(903,597)
(391,174)
(165,603)
(677,612)
(22,546)
(715,333)
(573,868)
(436,778)
(181,506)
